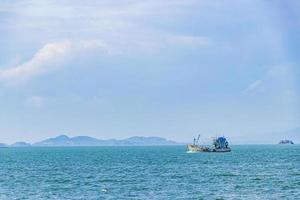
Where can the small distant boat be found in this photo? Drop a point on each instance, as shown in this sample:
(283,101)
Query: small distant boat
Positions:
(286,142)
(220,145)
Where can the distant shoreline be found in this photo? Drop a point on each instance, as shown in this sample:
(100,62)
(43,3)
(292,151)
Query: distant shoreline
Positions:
(86,141)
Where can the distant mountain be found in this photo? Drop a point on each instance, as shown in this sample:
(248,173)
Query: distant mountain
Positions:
(20,144)
(3,145)
(64,140)
(61,140)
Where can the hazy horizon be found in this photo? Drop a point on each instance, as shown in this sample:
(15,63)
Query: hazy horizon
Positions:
(171,69)
(205,139)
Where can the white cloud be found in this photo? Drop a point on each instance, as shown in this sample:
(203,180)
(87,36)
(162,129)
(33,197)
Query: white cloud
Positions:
(44,59)
(49,58)
(278,79)
(254,86)
(127,24)
(37,64)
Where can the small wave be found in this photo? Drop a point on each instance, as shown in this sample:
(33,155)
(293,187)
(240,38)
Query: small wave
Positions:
(295,174)
(227,174)
(191,152)
(104,190)
(286,187)
(237,187)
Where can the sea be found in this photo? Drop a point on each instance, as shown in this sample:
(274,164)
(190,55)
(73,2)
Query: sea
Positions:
(155,172)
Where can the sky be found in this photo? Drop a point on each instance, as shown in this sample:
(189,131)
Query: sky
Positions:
(174,69)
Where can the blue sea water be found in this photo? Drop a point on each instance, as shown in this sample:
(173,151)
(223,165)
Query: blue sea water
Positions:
(248,172)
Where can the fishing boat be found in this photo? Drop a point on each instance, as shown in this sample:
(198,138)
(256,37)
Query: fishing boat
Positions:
(220,144)
(195,147)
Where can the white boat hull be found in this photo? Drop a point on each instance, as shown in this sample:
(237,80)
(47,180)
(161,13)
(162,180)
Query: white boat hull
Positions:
(192,148)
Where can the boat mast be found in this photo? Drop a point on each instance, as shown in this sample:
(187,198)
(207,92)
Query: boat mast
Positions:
(198,138)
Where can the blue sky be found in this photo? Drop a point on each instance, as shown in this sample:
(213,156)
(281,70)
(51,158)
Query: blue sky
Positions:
(115,69)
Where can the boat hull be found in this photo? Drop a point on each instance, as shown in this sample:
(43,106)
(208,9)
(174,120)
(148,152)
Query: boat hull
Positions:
(192,148)
(224,150)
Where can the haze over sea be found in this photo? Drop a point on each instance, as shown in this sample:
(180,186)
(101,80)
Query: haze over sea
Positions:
(161,172)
